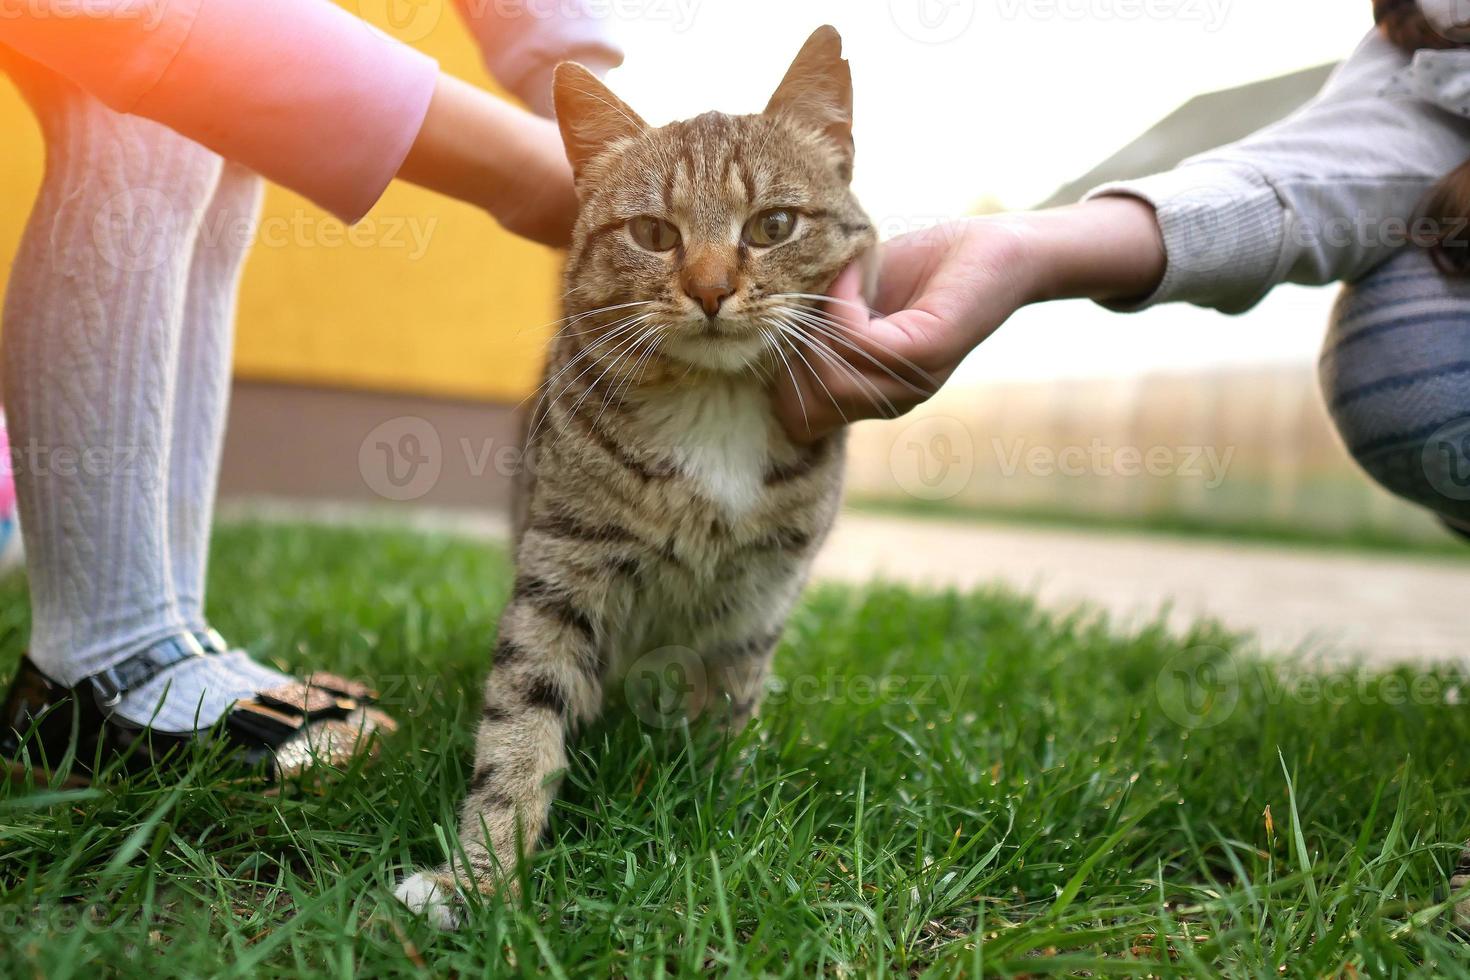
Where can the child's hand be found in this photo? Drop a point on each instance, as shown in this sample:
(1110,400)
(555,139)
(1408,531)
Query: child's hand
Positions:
(941,290)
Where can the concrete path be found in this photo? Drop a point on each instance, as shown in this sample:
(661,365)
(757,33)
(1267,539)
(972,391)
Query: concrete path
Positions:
(1336,605)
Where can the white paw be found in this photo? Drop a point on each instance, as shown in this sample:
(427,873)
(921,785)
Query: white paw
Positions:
(425,894)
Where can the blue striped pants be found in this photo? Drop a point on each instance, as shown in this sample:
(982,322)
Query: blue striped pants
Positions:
(1395,374)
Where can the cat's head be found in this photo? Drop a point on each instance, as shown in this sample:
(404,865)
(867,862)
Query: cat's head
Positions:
(711,228)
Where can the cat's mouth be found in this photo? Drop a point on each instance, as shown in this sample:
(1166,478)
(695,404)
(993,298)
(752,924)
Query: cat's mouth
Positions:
(718,343)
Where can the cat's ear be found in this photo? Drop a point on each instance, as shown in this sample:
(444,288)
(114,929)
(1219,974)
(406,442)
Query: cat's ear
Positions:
(817,91)
(590,116)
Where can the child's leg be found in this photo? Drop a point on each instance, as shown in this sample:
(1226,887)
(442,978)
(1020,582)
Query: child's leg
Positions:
(92,345)
(201,401)
(92,322)
(1396,378)
(203,388)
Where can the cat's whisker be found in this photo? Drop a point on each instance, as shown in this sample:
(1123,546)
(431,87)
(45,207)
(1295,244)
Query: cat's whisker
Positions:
(573,318)
(796,335)
(794,331)
(839,327)
(825,328)
(864,386)
(843,367)
(758,366)
(789,329)
(634,376)
(586,353)
(631,328)
(801,400)
(594,329)
(640,368)
(617,384)
(615,330)
(862,307)
(611,330)
(649,336)
(614,357)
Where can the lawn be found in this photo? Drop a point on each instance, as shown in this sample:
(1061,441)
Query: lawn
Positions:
(941,785)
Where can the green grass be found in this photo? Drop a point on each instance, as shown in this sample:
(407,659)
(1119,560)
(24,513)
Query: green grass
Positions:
(943,785)
(1434,542)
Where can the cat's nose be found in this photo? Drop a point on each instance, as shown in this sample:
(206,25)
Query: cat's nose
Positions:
(709,293)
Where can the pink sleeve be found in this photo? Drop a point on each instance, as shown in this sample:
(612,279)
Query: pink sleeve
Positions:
(520,37)
(298,90)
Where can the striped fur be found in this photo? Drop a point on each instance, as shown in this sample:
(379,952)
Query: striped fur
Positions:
(661,504)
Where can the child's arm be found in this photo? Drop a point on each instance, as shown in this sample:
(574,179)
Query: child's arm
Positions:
(479,149)
(1324,196)
(307,95)
(298,90)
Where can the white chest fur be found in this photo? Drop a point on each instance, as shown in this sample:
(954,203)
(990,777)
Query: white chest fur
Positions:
(718,434)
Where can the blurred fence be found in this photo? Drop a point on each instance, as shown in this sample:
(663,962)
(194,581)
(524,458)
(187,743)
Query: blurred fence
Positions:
(1232,448)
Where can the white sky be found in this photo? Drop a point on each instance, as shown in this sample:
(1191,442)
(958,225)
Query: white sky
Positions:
(960,101)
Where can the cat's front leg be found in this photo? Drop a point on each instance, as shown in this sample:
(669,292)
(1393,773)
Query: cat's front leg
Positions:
(738,674)
(547,680)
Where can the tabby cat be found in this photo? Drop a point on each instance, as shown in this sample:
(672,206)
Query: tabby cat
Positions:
(661,504)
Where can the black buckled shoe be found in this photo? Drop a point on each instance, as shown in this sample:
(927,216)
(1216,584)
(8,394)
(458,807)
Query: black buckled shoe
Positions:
(279,733)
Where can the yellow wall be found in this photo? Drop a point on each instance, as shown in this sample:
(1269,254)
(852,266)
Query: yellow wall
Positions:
(459,311)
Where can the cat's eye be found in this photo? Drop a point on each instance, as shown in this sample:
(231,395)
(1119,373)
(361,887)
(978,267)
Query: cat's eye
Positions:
(770,227)
(654,234)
